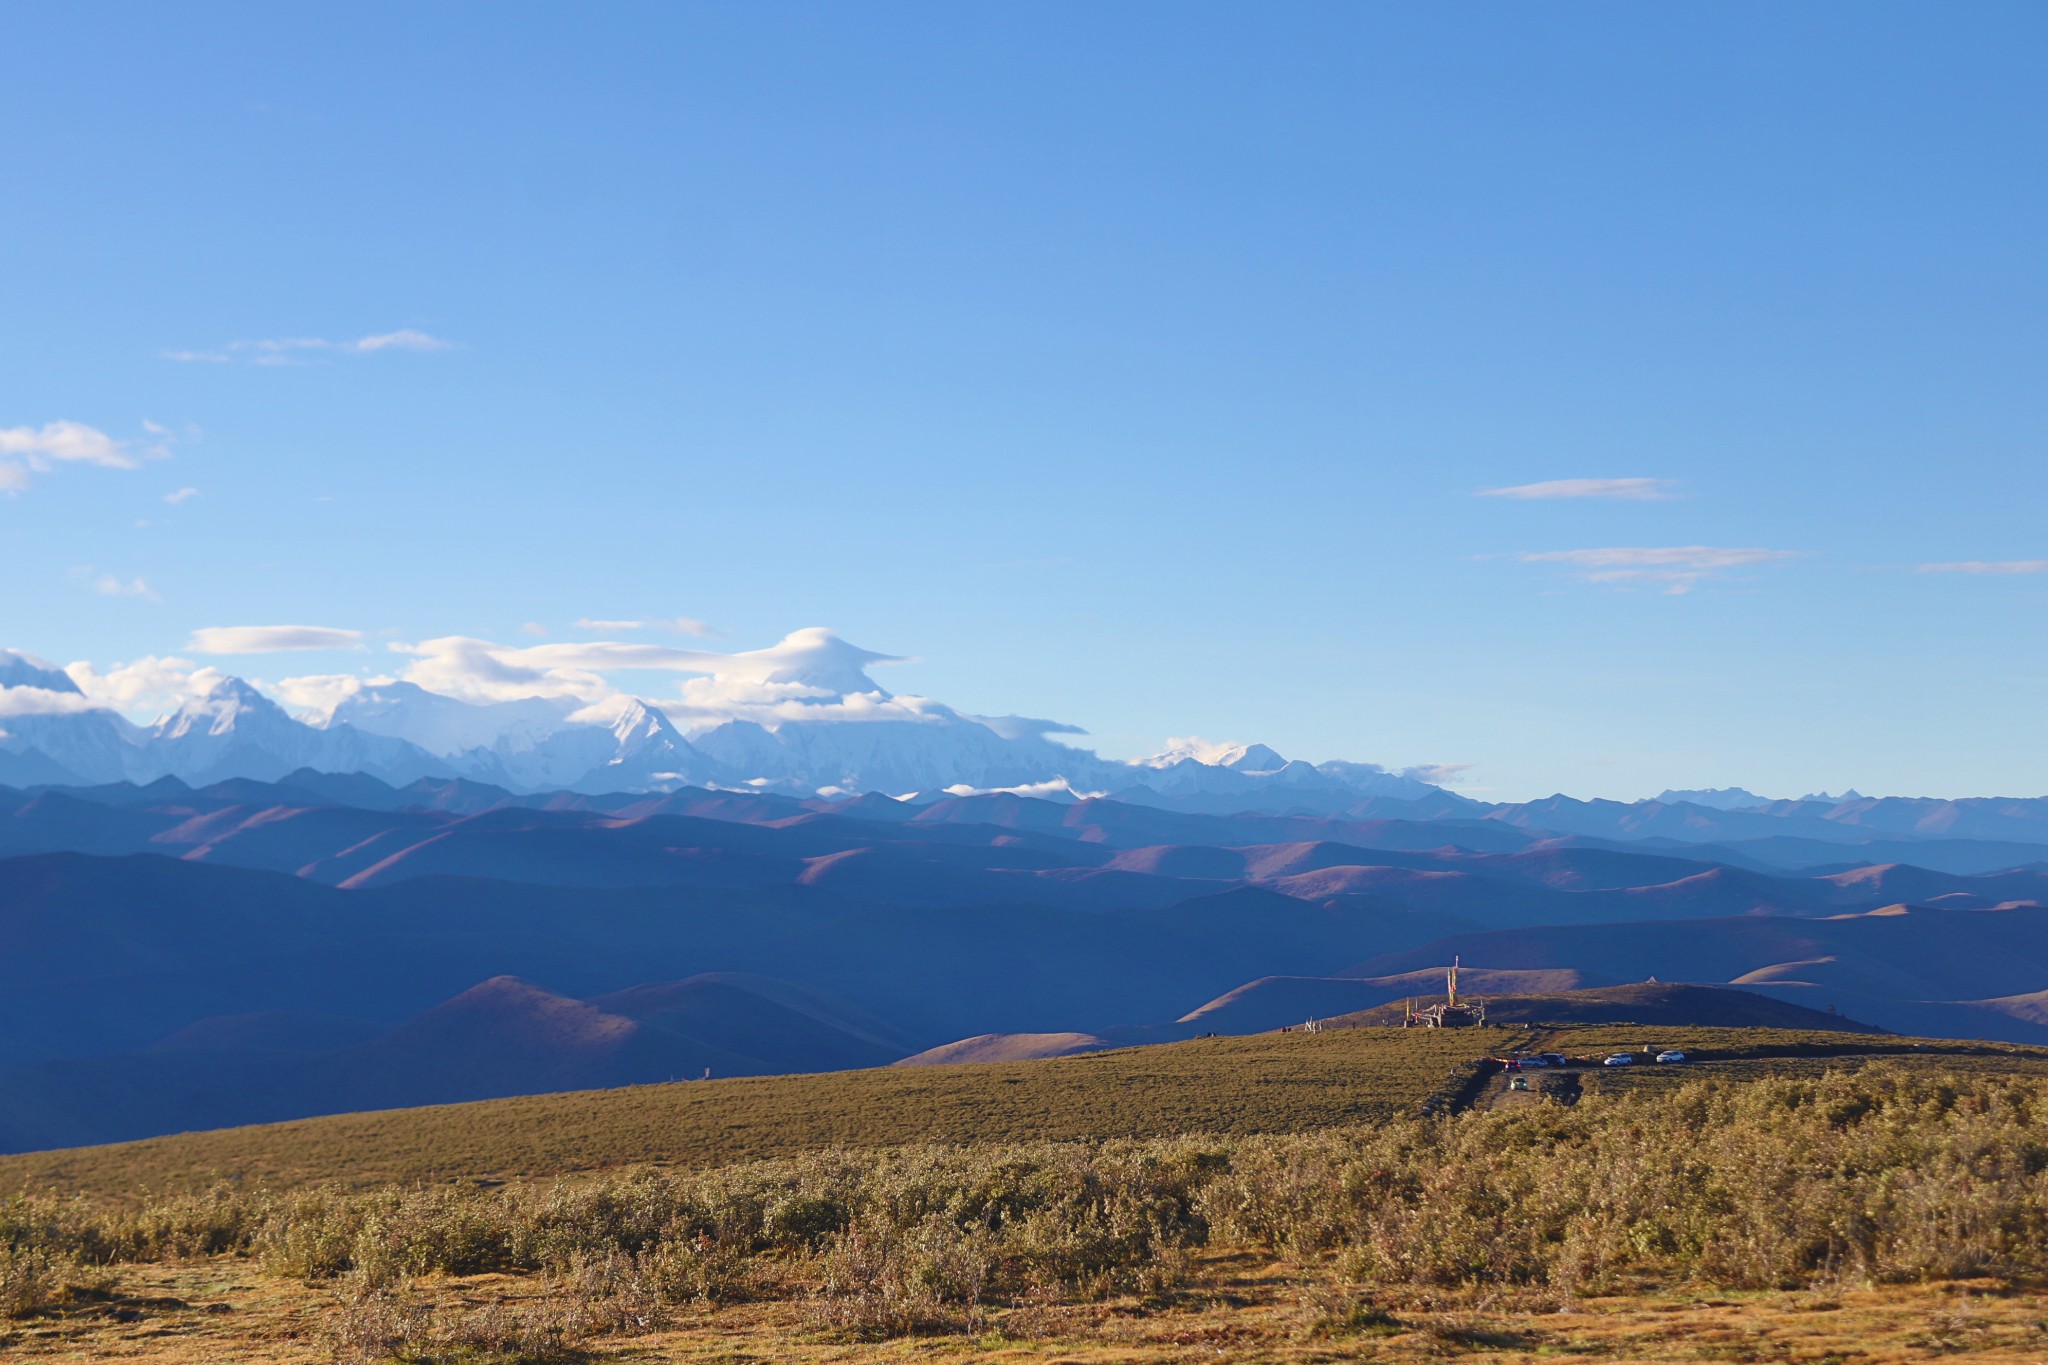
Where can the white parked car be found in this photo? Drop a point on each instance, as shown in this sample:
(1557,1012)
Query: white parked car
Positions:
(1674,1055)
(1620,1059)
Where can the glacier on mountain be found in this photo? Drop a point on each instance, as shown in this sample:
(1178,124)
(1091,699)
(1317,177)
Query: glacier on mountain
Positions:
(801,718)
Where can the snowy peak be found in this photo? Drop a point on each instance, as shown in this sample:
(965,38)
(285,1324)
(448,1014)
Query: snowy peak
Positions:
(446,725)
(18,669)
(641,724)
(649,752)
(742,746)
(1714,798)
(1251,758)
(801,717)
(222,708)
(1195,750)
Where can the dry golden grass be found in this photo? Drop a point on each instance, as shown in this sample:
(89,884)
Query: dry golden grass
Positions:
(1264,1083)
(1261,1084)
(1726,1044)
(1883,1211)
(1245,1307)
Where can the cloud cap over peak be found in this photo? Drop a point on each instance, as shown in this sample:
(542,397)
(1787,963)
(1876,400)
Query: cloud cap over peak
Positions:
(812,657)
(809,663)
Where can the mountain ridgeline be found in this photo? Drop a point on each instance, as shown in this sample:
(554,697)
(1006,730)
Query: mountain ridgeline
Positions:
(832,731)
(185,957)
(238,914)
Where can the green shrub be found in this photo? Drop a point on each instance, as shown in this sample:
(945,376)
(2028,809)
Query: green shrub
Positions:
(879,1278)
(1884,1173)
(702,1270)
(38,1280)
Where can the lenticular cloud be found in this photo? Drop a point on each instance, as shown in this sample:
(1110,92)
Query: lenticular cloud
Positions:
(270,639)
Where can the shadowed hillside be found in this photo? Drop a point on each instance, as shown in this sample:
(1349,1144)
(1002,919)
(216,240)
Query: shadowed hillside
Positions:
(1910,969)
(1280,1001)
(502,1037)
(184,957)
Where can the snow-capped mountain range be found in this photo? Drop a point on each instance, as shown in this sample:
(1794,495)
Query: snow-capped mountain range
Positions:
(830,730)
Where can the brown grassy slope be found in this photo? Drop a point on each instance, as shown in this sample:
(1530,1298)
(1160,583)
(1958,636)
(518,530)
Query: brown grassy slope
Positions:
(1654,1080)
(1264,1083)
(1247,1306)
(1267,1083)
(1006,1047)
(1662,1228)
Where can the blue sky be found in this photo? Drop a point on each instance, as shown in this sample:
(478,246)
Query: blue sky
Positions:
(1141,365)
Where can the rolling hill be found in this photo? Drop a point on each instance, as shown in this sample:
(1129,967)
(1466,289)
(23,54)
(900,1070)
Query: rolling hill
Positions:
(1913,969)
(183,956)
(1655,1003)
(1269,1083)
(501,1037)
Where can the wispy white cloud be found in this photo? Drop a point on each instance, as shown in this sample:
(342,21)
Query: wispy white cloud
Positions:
(1056,787)
(181,495)
(1438,774)
(113,585)
(682,625)
(270,639)
(1621,490)
(1201,750)
(404,339)
(281,344)
(319,694)
(481,670)
(33,699)
(1993,566)
(42,701)
(535,629)
(1027,727)
(810,674)
(28,451)
(107,585)
(298,350)
(462,665)
(1678,567)
(148,685)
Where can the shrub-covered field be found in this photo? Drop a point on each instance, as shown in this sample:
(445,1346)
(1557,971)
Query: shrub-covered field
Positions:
(1892,1174)
(1267,1083)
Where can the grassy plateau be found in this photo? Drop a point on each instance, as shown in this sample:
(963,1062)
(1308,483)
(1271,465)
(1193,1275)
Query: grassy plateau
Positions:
(1353,1194)
(1261,1084)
